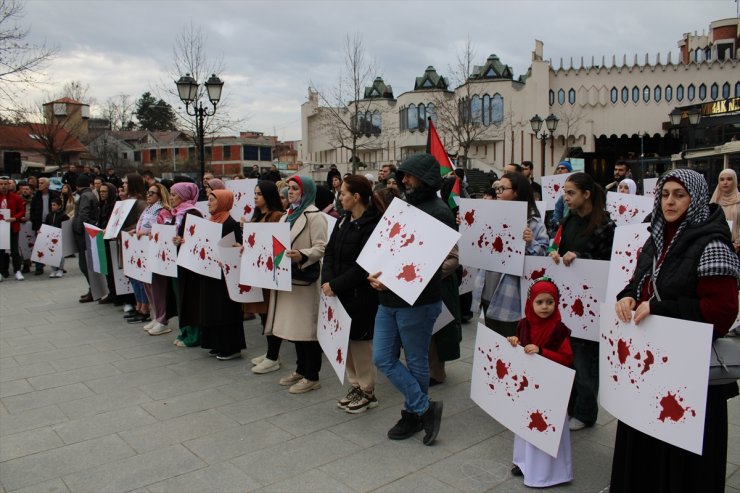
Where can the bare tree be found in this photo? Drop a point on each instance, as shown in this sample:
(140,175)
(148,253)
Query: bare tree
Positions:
(570,123)
(77,90)
(58,137)
(21,62)
(119,111)
(349,119)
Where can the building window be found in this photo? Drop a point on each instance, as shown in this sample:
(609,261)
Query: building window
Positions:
(572,96)
(691,92)
(432,112)
(668,93)
(152,154)
(635,94)
(137,156)
(486,110)
(209,152)
(702,92)
(625,94)
(125,155)
(251,153)
(226,150)
(552,97)
(412,118)
(561,97)
(715,91)
(163,153)
(614,95)
(376,122)
(679,93)
(725,90)
(657,94)
(737,89)
(265,154)
(497,109)
(646,94)
(476,109)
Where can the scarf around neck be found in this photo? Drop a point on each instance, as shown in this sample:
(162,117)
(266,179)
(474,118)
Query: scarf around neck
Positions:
(308,197)
(225,199)
(541,328)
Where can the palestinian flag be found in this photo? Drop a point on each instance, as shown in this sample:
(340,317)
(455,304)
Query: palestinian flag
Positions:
(278,251)
(555,245)
(96,246)
(454,199)
(436,149)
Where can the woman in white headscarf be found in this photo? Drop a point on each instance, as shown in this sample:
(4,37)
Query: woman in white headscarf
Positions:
(627,186)
(727,196)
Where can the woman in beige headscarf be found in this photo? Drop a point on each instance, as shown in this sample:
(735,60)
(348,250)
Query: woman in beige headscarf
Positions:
(727,195)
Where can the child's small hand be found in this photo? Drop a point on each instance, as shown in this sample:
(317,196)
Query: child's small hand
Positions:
(514,340)
(457,219)
(527,235)
(531,349)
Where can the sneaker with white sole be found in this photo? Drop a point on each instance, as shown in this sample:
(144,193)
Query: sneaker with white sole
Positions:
(150,325)
(290,379)
(266,366)
(575,424)
(347,399)
(227,357)
(303,386)
(257,360)
(158,329)
(19,276)
(362,402)
(128,308)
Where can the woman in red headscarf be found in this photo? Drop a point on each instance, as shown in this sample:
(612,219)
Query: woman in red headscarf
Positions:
(542,332)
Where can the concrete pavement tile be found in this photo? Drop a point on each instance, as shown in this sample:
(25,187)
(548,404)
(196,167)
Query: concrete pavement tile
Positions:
(234,442)
(41,398)
(312,418)
(103,424)
(24,340)
(370,428)
(296,456)
(27,443)
(7,363)
(603,435)
(733,480)
(224,478)
(247,386)
(733,411)
(592,465)
(135,472)
(93,358)
(73,376)
(21,320)
(65,340)
(187,404)
(11,335)
(6,350)
(53,486)
(315,480)
(151,345)
(29,420)
(165,433)
(516,485)
(111,400)
(54,354)
(456,397)
(417,483)
(467,428)
(27,371)
(15,387)
(128,380)
(155,360)
(733,445)
(37,468)
(175,385)
(259,408)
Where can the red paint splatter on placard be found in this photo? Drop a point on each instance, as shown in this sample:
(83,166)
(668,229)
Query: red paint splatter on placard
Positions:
(665,359)
(191,229)
(577,307)
(202,254)
(244,289)
(523,384)
(339,356)
(247,209)
(622,209)
(614,377)
(536,274)
(40,254)
(54,240)
(408,241)
(156,237)
(470,217)
(649,360)
(670,408)
(498,244)
(125,244)
(250,240)
(537,422)
(623,350)
(138,263)
(408,273)
(164,255)
(395,230)
(330,314)
(536,386)
(269,264)
(556,187)
(501,369)
(480,241)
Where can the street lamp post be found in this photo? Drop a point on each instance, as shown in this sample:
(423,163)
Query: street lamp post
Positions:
(551,122)
(187,89)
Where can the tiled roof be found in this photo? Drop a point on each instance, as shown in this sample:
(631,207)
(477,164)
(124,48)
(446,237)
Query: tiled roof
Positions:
(67,100)
(30,137)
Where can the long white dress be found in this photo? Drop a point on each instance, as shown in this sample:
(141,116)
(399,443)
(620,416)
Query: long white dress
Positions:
(540,469)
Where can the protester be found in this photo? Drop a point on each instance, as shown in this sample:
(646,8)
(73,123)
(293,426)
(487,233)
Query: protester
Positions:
(55,218)
(17,208)
(40,208)
(68,199)
(293,314)
(528,171)
(108,199)
(687,270)
(561,208)
(542,332)
(621,171)
(587,232)
(728,197)
(342,277)
(336,189)
(627,186)
(134,188)
(86,211)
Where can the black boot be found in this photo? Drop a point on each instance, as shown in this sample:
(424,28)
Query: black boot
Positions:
(407,426)
(86,298)
(431,421)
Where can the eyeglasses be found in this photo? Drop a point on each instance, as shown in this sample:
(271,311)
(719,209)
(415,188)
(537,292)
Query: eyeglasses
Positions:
(150,193)
(502,189)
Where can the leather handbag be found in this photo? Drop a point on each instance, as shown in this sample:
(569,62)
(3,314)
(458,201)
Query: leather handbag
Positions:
(724,362)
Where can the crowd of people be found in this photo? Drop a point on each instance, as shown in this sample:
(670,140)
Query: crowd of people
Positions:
(688,269)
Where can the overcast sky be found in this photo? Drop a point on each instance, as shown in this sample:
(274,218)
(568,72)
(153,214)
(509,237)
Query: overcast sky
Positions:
(272,49)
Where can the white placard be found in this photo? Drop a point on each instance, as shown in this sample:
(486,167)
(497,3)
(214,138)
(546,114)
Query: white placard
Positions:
(230,264)
(202,207)
(4,229)
(121,210)
(26,239)
(333,333)
(445,317)
(264,263)
(48,247)
(243,191)
(122,283)
(582,288)
(648,187)
(407,246)
(162,250)
(136,257)
(552,188)
(468,279)
(627,245)
(527,393)
(653,376)
(542,208)
(492,234)
(69,247)
(199,250)
(626,209)
(331,222)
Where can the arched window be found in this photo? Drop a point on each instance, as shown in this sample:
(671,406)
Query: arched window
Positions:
(497,109)
(635,94)
(614,95)
(552,97)
(679,93)
(691,92)
(476,109)
(572,96)
(486,110)
(646,94)
(561,97)
(669,93)
(402,120)
(657,94)
(725,90)
(737,89)
(413,118)
(702,92)
(422,117)
(432,112)
(714,91)
(368,123)
(377,122)
(625,94)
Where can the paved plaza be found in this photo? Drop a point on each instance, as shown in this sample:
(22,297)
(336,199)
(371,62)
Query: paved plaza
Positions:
(91,404)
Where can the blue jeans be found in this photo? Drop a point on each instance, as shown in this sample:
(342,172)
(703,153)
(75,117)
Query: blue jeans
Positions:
(410,328)
(139,293)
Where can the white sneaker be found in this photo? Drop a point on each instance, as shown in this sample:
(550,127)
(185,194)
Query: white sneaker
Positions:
(258,359)
(575,424)
(1,278)
(159,329)
(266,366)
(150,325)
(127,307)
(19,276)
(60,274)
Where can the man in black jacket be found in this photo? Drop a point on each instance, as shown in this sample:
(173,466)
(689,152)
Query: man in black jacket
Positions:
(40,207)
(86,212)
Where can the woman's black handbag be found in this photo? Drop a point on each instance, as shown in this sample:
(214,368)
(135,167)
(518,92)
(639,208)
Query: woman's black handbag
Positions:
(307,276)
